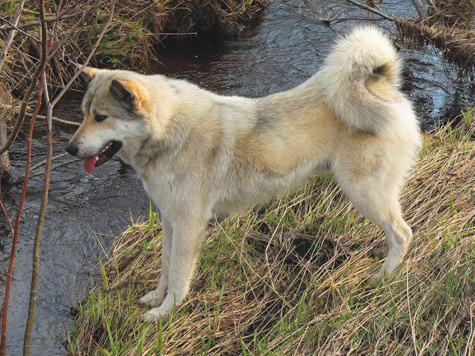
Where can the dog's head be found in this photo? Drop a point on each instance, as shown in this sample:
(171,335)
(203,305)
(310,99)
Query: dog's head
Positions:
(116,106)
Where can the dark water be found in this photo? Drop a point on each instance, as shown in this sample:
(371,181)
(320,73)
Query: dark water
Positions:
(86,211)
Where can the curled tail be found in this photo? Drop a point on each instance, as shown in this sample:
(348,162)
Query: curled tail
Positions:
(360,79)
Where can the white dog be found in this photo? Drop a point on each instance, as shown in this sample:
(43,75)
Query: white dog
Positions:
(200,154)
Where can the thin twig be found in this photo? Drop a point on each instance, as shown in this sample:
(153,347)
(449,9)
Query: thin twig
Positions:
(71,31)
(62,164)
(93,50)
(11,35)
(42,163)
(366,7)
(38,165)
(37,23)
(3,348)
(17,28)
(54,118)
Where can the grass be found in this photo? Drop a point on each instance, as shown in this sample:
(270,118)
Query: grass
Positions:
(290,277)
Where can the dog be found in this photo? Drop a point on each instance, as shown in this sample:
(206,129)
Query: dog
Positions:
(199,154)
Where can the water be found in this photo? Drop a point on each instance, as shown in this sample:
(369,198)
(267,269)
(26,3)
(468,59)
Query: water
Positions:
(86,211)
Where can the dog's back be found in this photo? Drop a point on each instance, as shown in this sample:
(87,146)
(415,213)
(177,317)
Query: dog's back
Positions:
(306,130)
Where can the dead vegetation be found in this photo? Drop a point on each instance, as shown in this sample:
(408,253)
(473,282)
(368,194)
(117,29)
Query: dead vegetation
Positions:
(290,278)
(449,26)
(137,31)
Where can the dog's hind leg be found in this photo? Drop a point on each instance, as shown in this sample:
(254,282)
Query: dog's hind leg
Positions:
(376,197)
(399,236)
(155,298)
(185,249)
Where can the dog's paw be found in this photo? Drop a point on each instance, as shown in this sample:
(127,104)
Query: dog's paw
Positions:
(153,298)
(163,311)
(373,281)
(377,278)
(153,315)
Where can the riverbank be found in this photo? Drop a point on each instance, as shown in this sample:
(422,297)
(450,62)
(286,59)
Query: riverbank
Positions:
(290,277)
(137,32)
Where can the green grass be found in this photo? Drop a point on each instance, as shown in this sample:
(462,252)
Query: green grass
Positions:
(289,278)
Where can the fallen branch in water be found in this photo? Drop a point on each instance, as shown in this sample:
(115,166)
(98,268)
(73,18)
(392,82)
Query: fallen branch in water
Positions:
(62,164)
(21,178)
(369,8)
(421,10)
(447,26)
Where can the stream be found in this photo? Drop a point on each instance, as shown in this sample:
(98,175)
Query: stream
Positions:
(85,211)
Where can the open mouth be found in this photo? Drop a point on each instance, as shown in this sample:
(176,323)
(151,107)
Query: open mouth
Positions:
(103,156)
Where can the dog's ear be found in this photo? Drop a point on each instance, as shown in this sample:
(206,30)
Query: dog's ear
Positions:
(87,74)
(129,93)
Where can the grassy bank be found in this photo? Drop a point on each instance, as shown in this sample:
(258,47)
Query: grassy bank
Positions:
(289,278)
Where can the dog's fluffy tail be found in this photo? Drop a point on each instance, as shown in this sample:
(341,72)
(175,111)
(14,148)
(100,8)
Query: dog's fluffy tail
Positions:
(360,79)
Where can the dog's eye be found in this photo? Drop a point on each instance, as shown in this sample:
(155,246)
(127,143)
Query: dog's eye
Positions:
(100,118)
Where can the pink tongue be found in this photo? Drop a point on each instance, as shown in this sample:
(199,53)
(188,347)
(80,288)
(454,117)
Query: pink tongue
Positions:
(89,163)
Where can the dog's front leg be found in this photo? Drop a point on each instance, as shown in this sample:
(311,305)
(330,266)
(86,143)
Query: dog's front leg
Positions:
(184,255)
(156,297)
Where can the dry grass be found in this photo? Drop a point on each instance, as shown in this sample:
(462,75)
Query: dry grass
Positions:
(449,27)
(137,32)
(290,278)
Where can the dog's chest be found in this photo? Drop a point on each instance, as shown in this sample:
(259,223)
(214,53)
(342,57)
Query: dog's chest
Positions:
(159,185)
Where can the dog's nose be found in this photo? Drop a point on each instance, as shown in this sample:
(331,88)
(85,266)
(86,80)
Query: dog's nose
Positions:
(72,149)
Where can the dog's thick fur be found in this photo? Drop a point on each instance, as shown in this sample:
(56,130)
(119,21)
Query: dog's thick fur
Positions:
(200,154)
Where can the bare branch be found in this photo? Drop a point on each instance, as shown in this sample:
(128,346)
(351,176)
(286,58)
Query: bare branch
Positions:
(39,72)
(71,31)
(421,10)
(366,7)
(57,119)
(38,165)
(17,28)
(39,227)
(62,164)
(18,217)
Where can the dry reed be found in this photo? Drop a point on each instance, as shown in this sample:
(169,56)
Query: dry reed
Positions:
(449,27)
